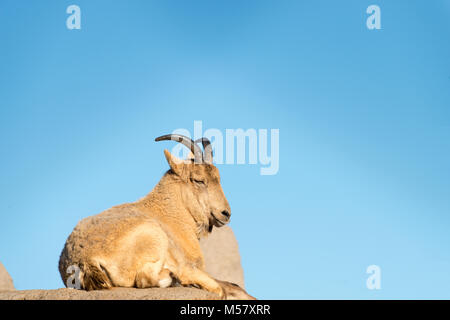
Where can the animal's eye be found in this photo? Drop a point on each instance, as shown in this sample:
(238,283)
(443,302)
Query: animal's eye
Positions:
(200,182)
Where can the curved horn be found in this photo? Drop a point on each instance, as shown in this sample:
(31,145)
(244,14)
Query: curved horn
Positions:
(195,149)
(207,153)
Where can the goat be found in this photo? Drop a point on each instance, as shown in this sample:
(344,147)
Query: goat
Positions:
(154,242)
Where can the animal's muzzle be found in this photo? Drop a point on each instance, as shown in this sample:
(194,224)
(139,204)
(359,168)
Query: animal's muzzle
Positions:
(226,214)
(221,220)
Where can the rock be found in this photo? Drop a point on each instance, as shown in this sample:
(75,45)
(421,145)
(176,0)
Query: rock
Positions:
(175,293)
(222,259)
(6,282)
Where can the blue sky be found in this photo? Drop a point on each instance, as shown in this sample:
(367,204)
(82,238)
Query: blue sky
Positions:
(364,122)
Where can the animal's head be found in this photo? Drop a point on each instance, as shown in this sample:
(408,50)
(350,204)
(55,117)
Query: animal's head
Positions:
(199,181)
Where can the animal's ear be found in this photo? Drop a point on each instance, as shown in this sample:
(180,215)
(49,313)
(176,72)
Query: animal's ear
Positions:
(177,165)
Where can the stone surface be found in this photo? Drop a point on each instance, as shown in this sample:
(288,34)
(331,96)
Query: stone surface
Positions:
(222,259)
(177,293)
(6,282)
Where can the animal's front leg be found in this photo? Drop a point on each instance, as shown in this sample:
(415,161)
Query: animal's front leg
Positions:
(193,276)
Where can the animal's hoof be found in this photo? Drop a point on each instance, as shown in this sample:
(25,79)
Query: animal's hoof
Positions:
(234,292)
(222,294)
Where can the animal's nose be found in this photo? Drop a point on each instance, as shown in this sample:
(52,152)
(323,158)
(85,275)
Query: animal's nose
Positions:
(226,213)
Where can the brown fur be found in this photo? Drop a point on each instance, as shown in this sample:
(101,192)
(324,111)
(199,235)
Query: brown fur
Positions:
(155,240)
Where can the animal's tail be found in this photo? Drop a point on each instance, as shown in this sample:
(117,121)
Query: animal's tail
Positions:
(95,277)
